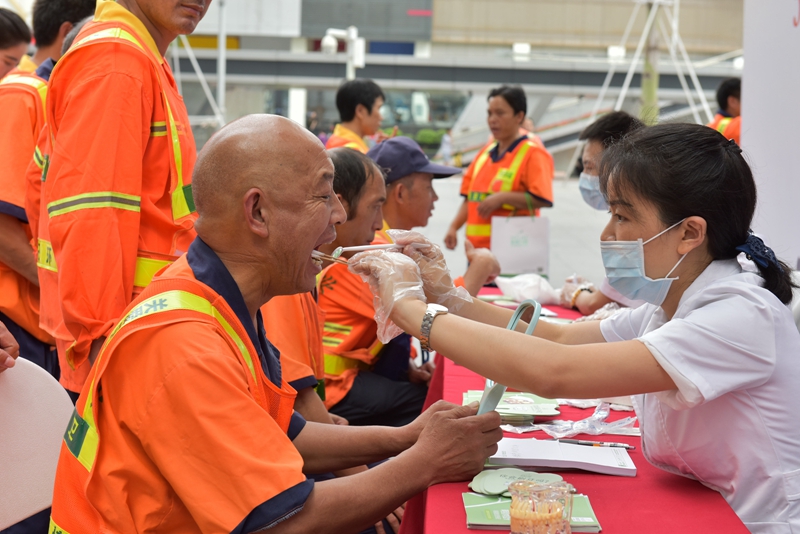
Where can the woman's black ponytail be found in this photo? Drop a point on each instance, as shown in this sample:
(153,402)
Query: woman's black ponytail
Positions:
(689,169)
(777,275)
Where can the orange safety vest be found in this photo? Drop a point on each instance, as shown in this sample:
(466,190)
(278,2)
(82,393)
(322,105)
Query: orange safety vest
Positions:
(479,230)
(343,137)
(176,296)
(181,211)
(294,325)
(19,298)
(730,127)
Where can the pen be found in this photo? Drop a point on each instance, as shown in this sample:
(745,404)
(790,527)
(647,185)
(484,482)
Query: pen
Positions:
(597,443)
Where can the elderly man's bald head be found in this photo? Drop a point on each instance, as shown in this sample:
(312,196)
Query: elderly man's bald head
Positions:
(263,187)
(263,151)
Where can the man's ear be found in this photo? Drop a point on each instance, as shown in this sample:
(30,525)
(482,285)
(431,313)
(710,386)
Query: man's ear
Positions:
(63,30)
(694,234)
(256,213)
(362,111)
(398,191)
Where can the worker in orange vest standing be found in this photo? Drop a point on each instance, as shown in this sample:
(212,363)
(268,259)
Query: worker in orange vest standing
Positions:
(512,175)
(118,182)
(359,103)
(23,96)
(728,120)
(15,37)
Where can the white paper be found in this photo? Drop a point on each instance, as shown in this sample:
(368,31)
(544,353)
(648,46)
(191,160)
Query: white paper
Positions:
(553,454)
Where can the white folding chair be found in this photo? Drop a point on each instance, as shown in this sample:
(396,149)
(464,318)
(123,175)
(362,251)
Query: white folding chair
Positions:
(34,413)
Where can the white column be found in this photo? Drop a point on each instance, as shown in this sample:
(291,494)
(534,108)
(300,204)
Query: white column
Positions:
(770,115)
(297,105)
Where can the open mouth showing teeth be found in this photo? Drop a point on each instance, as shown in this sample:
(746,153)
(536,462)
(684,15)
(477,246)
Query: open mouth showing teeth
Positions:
(317,261)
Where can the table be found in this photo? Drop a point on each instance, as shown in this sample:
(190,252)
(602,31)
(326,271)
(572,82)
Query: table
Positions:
(652,502)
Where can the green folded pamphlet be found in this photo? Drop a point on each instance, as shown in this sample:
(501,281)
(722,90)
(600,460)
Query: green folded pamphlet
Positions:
(490,512)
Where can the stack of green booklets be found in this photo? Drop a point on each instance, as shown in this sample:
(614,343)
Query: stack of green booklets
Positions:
(518,408)
(488,507)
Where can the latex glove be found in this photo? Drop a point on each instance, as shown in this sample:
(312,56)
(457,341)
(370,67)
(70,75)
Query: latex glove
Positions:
(438,283)
(391,277)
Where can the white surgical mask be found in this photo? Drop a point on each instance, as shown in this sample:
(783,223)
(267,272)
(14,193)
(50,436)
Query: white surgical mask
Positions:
(624,263)
(590,190)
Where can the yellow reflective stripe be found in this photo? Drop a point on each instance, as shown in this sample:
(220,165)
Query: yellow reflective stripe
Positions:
(100,199)
(336,365)
(723,124)
(158,129)
(112,33)
(55,529)
(39,85)
(526,145)
(475,196)
(338,328)
(45,257)
(482,160)
(180,205)
(376,348)
(38,158)
(167,301)
(479,230)
(146,269)
(331,341)
(183,300)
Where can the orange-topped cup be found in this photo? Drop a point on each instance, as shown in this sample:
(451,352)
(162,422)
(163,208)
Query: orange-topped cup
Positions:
(540,508)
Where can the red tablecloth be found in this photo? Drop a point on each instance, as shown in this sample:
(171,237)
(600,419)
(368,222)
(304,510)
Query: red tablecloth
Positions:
(652,502)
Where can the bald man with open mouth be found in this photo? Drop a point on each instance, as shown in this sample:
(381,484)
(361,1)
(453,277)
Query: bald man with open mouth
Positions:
(185,423)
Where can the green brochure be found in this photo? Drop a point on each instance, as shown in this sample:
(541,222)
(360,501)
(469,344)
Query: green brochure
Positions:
(490,512)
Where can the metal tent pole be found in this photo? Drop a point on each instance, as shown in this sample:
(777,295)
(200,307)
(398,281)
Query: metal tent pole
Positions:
(692,73)
(681,78)
(651,17)
(202,79)
(603,90)
(222,59)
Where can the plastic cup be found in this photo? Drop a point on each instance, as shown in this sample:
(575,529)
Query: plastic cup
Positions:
(540,508)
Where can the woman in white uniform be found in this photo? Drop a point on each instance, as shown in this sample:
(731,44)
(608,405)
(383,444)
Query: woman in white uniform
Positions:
(714,357)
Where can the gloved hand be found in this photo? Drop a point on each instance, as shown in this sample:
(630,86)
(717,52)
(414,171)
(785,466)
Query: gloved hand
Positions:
(438,283)
(391,276)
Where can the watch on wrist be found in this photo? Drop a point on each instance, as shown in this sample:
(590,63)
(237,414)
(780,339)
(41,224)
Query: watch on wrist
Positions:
(425,330)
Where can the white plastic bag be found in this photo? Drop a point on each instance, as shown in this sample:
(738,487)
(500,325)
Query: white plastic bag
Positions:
(528,286)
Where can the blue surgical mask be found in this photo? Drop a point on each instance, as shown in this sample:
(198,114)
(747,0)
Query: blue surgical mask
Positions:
(624,263)
(590,189)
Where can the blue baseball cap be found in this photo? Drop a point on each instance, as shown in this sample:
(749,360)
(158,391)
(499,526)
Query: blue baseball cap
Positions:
(401,156)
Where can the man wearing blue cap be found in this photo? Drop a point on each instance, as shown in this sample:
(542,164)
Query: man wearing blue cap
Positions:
(410,199)
(368,382)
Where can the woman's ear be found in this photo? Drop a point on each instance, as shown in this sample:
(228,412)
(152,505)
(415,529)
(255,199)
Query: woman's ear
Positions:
(694,234)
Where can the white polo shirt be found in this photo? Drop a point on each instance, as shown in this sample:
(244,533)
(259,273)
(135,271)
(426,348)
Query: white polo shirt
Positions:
(733,423)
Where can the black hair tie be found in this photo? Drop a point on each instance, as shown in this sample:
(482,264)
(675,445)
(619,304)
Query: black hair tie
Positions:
(756,251)
(733,147)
